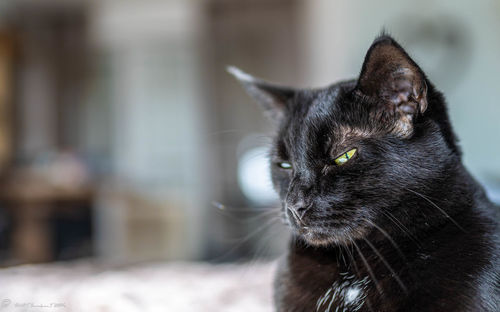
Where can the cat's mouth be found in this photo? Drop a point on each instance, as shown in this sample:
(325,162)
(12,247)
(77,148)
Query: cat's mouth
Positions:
(317,233)
(317,238)
(320,236)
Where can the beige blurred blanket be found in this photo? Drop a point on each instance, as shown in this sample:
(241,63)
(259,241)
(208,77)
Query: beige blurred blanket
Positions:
(86,286)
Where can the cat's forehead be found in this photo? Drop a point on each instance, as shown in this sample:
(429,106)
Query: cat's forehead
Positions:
(329,115)
(324,124)
(317,104)
(332,104)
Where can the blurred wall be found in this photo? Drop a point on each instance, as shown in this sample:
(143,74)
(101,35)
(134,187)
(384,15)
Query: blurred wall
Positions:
(152,52)
(137,94)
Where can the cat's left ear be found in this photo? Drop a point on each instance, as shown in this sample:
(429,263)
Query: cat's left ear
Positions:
(391,77)
(274,99)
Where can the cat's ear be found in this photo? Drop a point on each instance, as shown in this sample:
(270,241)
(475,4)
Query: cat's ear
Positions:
(274,99)
(391,77)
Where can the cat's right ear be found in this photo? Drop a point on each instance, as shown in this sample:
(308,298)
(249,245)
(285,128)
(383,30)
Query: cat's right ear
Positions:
(274,99)
(393,80)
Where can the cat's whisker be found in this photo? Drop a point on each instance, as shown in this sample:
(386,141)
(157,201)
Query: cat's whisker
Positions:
(394,274)
(401,226)
(221,206)
(350,254)
(271,232)
(369,269)
(438,208)
(260,213)
(263,246)
(247,220)
(243,240)
(389,238)
(396,246)
(340,255)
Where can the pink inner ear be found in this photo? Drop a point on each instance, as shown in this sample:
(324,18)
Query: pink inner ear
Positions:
(403,95)
(389,74)
(399,91)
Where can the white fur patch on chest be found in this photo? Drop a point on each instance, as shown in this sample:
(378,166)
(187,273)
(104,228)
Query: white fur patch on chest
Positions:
(346,294)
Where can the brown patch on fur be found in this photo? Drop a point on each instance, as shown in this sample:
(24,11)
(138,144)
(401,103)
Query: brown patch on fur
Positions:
(404,126)
(346,134)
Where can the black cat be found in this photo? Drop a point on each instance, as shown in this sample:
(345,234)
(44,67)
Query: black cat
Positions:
(384,215)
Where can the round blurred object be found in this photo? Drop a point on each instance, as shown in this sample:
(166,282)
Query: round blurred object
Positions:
(254,176)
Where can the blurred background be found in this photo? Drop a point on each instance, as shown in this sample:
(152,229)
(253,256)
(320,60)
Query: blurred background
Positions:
(123,138)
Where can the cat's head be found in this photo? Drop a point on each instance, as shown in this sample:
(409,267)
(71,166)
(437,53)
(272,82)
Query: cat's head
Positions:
(345,155)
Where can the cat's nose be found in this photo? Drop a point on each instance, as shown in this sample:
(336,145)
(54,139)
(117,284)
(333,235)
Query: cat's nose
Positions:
(298,210)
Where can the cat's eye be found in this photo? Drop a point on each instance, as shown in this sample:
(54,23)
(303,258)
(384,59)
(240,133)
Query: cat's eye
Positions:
(285,165)
(342,159)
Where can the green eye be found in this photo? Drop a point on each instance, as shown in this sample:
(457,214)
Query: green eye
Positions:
(285,165)
(342,159)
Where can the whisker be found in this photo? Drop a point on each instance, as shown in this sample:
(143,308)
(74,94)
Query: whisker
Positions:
(259,216)
(262,248)
(221,206)
(395,275)
(396,246)
(350,254)
(438,208)
(247,220)
(369,269)
(259,213)
(340,255)
(401,226)
(247,238)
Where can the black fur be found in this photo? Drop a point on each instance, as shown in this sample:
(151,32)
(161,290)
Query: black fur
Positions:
(402,225)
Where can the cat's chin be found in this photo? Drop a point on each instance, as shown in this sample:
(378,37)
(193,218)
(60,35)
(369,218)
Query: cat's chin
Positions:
(321,238)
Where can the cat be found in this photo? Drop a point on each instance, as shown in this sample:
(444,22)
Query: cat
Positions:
(384,216)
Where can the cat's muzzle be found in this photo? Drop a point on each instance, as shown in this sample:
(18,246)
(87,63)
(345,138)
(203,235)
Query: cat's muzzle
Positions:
(296,214)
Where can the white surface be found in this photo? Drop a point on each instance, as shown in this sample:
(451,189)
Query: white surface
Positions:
(154,287)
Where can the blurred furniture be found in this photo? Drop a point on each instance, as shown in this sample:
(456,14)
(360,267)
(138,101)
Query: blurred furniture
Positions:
(33,201)
(41,91)
(140,226)
(6,83)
